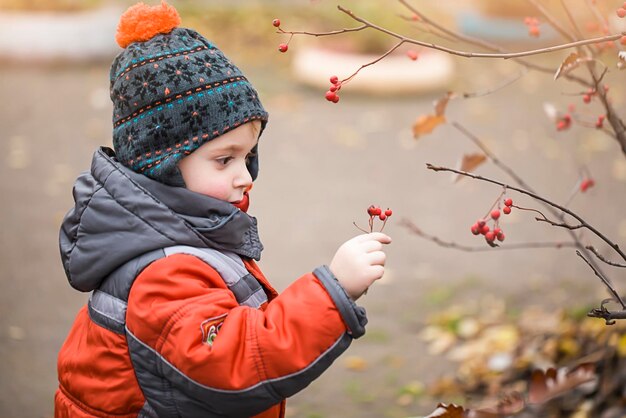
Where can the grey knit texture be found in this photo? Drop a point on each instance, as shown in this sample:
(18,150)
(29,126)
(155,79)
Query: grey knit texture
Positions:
(171,94)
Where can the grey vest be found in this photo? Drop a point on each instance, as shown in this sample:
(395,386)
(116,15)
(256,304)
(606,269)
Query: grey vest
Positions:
(107,308)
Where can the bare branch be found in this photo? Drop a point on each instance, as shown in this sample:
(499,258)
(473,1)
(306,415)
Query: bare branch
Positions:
(605,281)
(495,89)
(560,224)
(482,54)
(605,314)
(486,45)
(542,199)
(318,34)
(448,244)
(537,197)
(555,23)
(601,257)
(396,46)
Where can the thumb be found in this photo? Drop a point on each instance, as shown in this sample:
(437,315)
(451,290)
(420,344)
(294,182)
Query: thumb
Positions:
(380,237)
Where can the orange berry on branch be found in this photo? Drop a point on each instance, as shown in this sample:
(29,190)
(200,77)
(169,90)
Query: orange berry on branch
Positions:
(534,31)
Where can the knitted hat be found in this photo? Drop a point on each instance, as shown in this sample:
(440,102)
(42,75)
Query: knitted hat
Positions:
(172,91)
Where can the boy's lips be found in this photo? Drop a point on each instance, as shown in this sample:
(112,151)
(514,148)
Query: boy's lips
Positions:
(243,203)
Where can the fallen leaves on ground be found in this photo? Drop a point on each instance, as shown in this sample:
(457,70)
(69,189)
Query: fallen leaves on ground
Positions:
(539,363)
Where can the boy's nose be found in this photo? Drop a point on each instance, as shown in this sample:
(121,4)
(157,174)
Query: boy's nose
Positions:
(243,178)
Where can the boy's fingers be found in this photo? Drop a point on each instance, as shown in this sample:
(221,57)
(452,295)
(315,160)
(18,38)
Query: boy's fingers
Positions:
(373,236)
(371,245)
(380,237)
(377,258)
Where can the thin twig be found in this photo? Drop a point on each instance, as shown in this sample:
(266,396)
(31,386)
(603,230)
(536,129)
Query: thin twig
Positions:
(601,276)
(486,45)
(396,46)
(360,229)
(553,22)
(449,244)
(482,54)
(542,199)
(428,28)
(523,184)
(607,315)
(597,254)
(579,34)
(534,196)
(495,89)
(560,224)
(318,34)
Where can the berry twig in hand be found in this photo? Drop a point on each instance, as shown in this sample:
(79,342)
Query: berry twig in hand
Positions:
(373,212)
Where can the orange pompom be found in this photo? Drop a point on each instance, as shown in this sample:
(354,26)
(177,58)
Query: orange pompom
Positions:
(141,22)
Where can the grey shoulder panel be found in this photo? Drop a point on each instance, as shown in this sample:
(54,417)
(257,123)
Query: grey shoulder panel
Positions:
(353,315)
(244,286)
(107,304)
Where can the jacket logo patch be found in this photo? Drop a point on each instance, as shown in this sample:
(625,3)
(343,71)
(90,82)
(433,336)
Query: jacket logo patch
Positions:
(210,328)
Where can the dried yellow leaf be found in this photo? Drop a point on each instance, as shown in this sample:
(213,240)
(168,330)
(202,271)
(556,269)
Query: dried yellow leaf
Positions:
(425,124)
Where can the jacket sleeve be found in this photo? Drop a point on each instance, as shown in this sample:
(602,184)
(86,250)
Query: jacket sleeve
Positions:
(186,331)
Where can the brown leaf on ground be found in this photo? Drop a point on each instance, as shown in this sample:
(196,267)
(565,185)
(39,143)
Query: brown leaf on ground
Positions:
(510,404)
(447,411)
(546,385)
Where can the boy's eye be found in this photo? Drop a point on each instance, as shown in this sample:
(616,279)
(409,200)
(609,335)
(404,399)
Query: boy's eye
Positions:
(224,160)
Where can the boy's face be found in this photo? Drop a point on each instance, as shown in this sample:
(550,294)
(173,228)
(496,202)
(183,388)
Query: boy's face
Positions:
(218,168)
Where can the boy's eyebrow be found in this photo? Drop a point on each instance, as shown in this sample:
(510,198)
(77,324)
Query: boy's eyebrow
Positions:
(229,148)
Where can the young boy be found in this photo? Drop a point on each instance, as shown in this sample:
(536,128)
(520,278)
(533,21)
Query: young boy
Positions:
(180,321)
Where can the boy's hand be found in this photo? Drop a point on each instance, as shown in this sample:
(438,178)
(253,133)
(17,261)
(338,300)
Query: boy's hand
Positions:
(359,262)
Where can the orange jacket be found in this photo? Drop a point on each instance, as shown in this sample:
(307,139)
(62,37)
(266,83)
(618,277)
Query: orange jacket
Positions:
(188,347)
(167,307)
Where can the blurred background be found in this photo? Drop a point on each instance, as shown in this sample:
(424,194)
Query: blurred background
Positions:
(322,165)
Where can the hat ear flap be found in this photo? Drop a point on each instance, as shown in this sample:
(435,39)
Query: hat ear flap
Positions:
(253,162)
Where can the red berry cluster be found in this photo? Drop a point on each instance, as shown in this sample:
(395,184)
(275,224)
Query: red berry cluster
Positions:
(621,12)
(586,184)
(481,227)
(563,122)
(533,26)
(600,121)
(284,46)
(376,212)
(332,93)
(587,96)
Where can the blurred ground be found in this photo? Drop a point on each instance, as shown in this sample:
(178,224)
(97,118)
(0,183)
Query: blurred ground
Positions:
(321,166)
